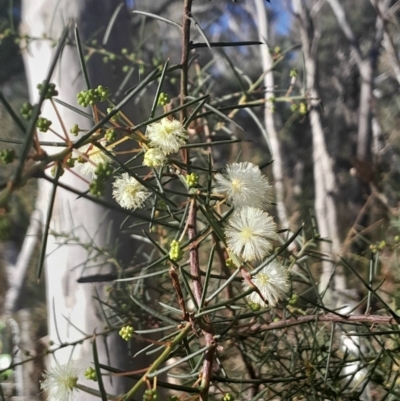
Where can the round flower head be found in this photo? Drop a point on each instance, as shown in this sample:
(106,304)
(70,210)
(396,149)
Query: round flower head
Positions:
(154,158)
(250,233)
(272,282)
(167,135)
(244,185)
(92,157)
(60,380)
(129,192)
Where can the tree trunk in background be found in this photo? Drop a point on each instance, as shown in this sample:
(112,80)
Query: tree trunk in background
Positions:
(269,119)
(72,310)
(324,177)
(367,68)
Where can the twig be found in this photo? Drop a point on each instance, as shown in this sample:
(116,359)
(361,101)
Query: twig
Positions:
(330,317)
(185,54)
(207,328)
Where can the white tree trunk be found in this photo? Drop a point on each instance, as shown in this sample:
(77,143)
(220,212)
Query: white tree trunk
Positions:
(269,118)
(72,310)
(324,177)
(366,66)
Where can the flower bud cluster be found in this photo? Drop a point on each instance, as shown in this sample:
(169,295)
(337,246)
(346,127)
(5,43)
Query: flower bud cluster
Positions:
(150,395)
(102,172)
(7,155)
(163,99)
(90,374)
(175,251)
(75,130)
(192,180)
(92,96)
(110,135)
(43,124)
(126,332)
(26,110)
(50,92)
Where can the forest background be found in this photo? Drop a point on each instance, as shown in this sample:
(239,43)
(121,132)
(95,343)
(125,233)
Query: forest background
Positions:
(327,116)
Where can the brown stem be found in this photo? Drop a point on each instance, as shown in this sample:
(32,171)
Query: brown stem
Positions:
(252,391)
(197,291)
(330,317)
(187,10)
(222,256)
(185,66)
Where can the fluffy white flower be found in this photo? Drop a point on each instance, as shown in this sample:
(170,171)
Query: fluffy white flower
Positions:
(244,185)
(60,380)
(250,233)
(272,282)
(167,135)
(129,192)
(154,158)
(93,156)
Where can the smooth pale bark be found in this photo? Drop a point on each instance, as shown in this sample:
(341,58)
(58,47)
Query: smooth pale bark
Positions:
(388,43)
(269,118)
(367,68)
(72,310)
(17,264)
(324,177)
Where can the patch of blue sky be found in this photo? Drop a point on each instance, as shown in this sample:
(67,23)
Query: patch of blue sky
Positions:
(282,17)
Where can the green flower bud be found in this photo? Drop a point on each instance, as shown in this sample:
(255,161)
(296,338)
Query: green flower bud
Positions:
(230,263)
(175,252)
(163,99)
(43,124)
(50,92)
(303,109)
(110,135)
(90,374)
(126,332)
(7,155)
(75,130)
(70,162)
(26,110)
(254,307)
(150,395)
(192,180)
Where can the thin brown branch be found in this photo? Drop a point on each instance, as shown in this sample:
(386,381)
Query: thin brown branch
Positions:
(197,291)
(187,10)
(330,317)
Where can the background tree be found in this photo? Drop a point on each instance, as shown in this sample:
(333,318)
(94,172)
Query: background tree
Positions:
(321,115)
(72,307)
